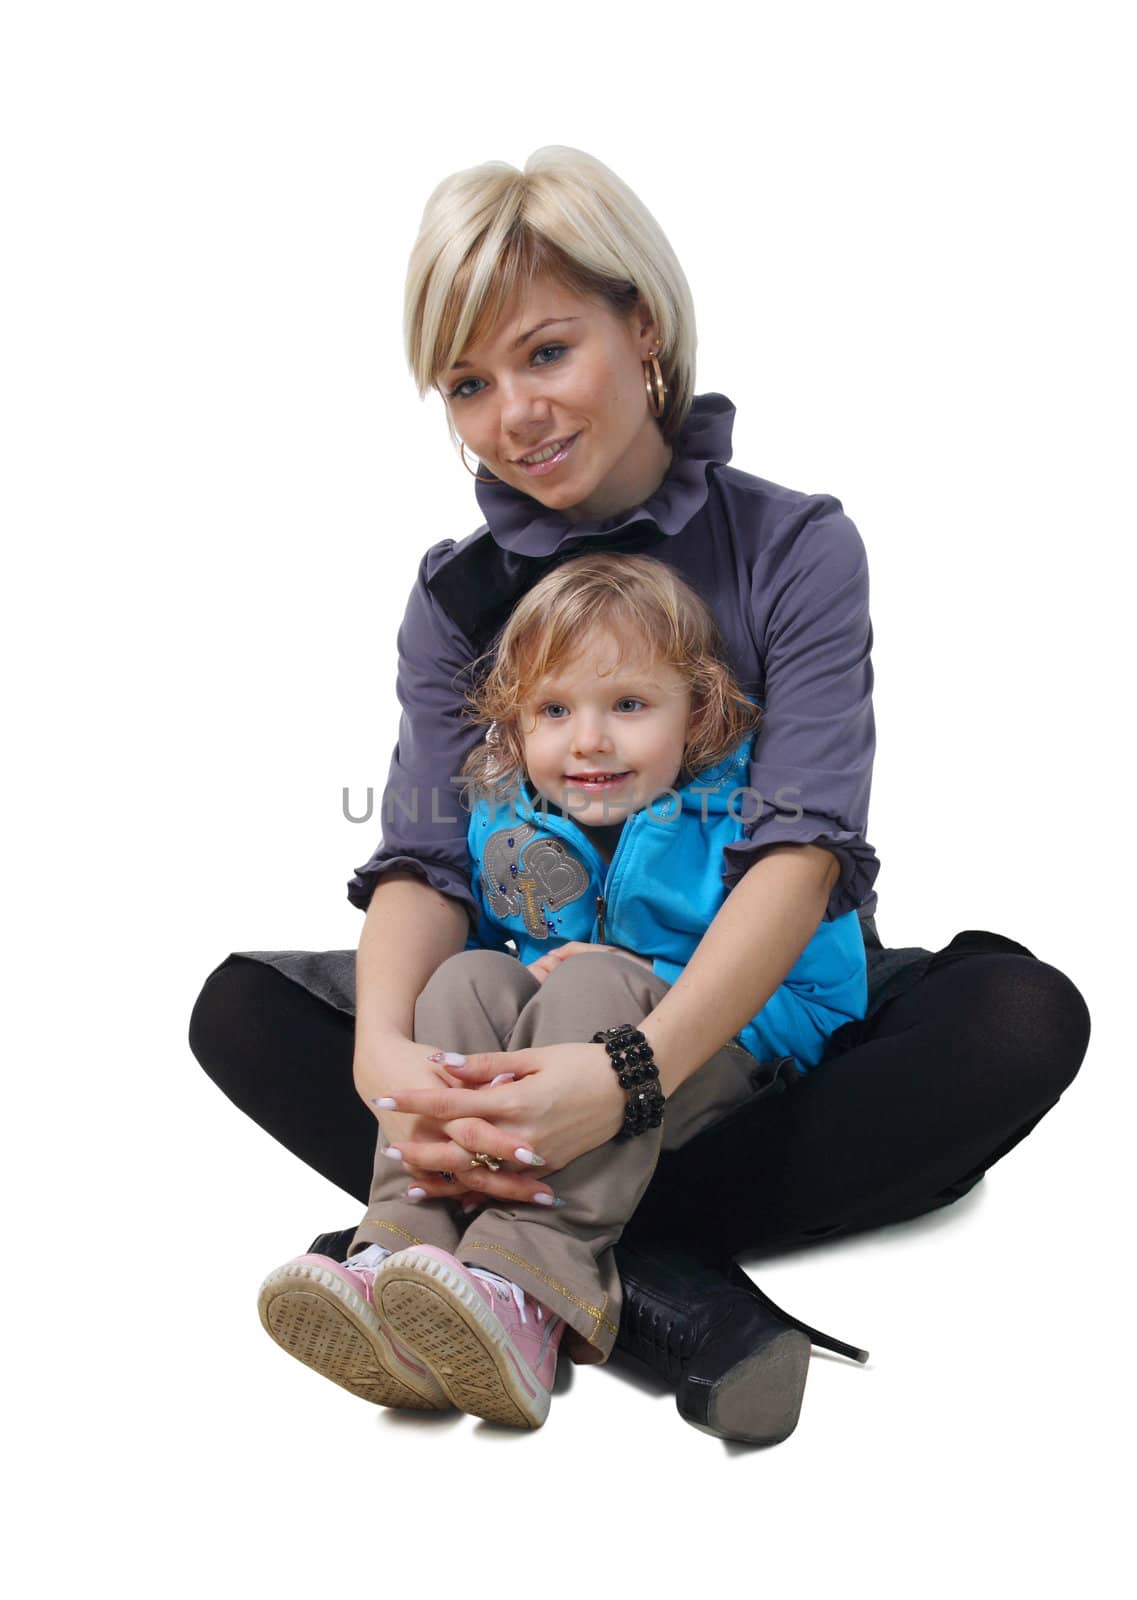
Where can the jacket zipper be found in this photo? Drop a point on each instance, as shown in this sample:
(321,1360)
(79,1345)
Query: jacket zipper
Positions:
(604,873)
(602,907)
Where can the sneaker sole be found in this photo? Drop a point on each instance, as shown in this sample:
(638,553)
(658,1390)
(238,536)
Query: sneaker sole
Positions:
(447,1323)
(321,1320)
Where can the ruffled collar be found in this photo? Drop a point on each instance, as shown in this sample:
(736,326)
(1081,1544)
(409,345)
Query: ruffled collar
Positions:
(523,525)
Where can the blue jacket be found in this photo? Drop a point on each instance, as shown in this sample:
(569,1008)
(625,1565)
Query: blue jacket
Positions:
(540,881)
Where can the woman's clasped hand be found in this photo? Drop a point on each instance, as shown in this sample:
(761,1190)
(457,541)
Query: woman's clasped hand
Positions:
(563,1101)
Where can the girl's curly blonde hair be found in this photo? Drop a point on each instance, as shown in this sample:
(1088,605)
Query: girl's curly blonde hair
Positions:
(649,609)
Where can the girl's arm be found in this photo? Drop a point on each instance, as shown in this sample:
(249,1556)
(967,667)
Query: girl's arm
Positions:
(552,959)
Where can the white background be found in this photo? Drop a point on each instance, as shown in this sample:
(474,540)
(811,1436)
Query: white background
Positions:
(905,228)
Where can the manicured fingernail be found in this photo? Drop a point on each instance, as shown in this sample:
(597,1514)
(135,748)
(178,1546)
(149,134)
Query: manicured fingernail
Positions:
(386,1104)
(529,1157)
(416,1194)
(448,1058)
(502,1077)
(548,1200)
(395,1155)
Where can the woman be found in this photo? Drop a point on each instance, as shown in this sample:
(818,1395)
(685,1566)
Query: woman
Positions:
(549,310)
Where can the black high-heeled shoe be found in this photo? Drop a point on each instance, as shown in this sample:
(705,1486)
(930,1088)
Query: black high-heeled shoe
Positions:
(332,1244)
(737,1360)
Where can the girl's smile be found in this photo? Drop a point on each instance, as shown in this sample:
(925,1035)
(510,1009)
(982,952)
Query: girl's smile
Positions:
(607,780)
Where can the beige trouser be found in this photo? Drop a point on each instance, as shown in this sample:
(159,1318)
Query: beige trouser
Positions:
(484,1000)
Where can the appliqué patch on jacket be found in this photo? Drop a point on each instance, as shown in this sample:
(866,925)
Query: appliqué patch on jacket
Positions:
(521,871)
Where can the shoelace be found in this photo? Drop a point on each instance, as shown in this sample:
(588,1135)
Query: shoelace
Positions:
(504,1288)
(370,1259)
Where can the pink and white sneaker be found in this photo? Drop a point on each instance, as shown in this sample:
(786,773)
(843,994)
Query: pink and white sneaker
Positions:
(492,1347)
(324,1314)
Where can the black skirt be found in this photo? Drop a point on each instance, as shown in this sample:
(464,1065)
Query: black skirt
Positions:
(330,974)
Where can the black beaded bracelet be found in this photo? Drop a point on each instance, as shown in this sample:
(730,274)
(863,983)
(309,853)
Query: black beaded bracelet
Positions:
(634,1065)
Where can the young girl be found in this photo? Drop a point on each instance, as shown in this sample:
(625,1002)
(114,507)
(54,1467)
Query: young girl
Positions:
(614,773)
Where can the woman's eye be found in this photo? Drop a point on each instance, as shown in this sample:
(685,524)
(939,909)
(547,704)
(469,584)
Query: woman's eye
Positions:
(462,391)
(544,357)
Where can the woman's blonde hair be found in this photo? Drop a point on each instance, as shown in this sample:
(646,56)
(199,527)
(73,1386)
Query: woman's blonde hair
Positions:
(650,611)
(491,228)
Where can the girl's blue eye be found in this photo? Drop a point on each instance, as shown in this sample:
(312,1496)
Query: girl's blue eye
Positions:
(630,700)
(554,706)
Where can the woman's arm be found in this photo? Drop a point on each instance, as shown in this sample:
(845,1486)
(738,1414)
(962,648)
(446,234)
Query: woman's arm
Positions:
(813,755)
(424,822)
(759,933)
(409,931)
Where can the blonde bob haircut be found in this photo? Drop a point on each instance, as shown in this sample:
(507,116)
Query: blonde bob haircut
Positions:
(654,616)
(491,229)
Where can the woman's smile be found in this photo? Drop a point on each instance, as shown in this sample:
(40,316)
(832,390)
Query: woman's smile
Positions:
(540,462)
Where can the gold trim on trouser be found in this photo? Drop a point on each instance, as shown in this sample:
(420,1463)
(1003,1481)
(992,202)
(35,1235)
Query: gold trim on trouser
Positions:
(391,1227)
(596,1312)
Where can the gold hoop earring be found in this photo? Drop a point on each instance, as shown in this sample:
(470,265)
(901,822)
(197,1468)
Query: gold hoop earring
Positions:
(654,384)
(471,470)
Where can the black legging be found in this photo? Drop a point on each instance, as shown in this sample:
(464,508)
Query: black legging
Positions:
(905,1116)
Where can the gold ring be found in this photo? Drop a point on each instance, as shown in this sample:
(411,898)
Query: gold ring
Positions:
(483,1160)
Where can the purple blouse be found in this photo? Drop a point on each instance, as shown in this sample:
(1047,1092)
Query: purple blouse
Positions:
(786,578)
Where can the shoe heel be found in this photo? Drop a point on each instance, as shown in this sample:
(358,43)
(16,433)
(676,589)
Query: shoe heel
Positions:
(824,1341)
